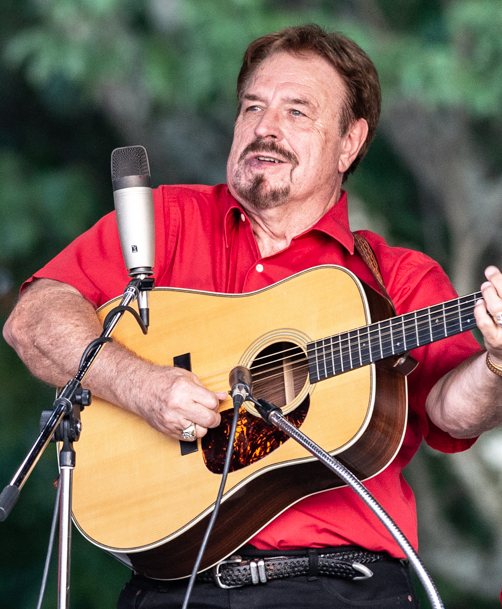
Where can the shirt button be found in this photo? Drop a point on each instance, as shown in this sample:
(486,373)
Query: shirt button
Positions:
(243,217)
(259,268)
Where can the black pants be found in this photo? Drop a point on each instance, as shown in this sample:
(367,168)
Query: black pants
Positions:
(390,586)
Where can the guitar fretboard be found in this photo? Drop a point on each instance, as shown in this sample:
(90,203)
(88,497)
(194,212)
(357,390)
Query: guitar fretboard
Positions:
(349,350)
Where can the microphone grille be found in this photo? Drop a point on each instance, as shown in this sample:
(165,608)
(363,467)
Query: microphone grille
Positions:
(130,161)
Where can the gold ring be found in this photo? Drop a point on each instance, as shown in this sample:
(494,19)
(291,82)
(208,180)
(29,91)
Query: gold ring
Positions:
(189,434)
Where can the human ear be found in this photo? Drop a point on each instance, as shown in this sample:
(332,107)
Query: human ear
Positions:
(352,143)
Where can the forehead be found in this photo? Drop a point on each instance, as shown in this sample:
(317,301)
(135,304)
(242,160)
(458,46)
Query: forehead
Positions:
(308,77)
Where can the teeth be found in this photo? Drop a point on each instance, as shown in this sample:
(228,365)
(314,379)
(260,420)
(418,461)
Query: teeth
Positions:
(268,159)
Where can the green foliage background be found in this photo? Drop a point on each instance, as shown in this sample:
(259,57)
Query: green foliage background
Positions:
(79,78)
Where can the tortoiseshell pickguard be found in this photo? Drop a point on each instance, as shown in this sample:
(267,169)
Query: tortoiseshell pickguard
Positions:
(254,438)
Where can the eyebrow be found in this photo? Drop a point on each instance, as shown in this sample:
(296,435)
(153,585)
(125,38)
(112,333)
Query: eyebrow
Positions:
(291,100)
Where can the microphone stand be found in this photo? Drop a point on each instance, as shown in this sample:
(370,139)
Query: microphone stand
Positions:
(273,416)
(63,424)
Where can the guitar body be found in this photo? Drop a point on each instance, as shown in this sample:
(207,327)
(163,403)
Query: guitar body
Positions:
(136,495)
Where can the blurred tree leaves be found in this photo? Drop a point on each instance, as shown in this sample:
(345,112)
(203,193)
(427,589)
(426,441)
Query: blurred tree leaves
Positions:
(79,78)
(35,205)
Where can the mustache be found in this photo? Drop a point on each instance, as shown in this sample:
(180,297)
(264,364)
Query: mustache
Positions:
(260,145)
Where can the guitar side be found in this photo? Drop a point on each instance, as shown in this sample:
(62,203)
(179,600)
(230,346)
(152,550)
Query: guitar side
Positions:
(136,495)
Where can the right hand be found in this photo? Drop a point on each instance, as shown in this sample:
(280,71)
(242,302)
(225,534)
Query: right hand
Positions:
(175,398)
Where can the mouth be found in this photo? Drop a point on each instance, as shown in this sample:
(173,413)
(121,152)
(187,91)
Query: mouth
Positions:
(268,159)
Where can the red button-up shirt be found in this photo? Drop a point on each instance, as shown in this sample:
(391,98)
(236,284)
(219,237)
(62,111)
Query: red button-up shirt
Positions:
(204,241)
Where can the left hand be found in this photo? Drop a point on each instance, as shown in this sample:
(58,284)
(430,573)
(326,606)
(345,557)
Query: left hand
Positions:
(486,312)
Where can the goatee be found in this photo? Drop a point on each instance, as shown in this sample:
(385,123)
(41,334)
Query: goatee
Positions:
(258,195)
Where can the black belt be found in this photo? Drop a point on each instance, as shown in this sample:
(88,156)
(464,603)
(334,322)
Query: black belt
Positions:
(262,566)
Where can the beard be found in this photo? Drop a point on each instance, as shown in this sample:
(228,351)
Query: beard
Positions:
(259,195)
(256,191)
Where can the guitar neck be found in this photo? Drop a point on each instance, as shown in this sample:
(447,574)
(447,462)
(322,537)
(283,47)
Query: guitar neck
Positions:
(349,350)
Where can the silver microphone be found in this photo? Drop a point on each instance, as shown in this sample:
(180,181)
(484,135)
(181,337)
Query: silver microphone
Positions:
(132,194)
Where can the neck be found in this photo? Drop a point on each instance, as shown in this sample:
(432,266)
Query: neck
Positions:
(275,228)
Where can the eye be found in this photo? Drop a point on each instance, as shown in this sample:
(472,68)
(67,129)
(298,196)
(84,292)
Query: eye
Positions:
(296,112)
(252,108)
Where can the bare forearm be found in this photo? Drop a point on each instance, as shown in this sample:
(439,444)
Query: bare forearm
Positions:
(50,328)
(466,402)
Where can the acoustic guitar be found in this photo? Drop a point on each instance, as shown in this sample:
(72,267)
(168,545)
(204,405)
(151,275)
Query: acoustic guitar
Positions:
(321,345)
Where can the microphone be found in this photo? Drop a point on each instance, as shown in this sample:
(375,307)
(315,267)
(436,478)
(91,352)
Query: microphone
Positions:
(132,194)
(241,381)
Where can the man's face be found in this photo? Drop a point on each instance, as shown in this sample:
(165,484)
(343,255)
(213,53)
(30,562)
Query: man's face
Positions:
(287,144)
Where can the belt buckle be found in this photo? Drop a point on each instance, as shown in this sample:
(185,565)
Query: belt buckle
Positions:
(366,573)
(235,560)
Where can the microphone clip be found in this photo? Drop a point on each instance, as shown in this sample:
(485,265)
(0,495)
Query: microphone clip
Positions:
(141,285)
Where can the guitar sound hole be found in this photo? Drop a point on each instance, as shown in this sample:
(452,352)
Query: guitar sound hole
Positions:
(279,373)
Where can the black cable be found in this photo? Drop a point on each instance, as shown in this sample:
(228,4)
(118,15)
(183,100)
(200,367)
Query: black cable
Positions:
(96,343)
(91,347)
(226,468)
(122,309)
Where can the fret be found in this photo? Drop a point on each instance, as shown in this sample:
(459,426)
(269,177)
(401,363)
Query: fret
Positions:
(437,322)
(355,359)
(397,330)
(377,352)
(338,359)
(410,333)
(423,329)
(365,346)
(468,320)
(345,352)
(329,357)
(380,340)
(313,365)
(452,322)
(385,339)
(332,354)
(373,343)
(324,368)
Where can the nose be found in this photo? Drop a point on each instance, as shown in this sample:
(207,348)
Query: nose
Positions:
(269,125)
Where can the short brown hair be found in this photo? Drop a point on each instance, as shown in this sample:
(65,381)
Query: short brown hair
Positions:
(349,60)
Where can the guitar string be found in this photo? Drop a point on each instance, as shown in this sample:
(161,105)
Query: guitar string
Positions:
(373,329)
(450,313)
(371,332)
(390,326)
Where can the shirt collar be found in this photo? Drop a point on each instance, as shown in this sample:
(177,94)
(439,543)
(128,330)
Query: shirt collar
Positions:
(334,223)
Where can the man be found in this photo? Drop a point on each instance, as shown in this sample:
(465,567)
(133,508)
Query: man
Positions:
(308,108)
